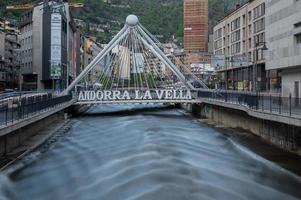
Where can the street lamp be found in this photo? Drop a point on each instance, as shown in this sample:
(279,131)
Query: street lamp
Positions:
(229,60)
(264,48)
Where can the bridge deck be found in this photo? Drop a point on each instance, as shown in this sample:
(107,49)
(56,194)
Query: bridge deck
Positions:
(136,101)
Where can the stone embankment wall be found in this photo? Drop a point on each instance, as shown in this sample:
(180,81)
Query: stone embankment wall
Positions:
(14,139)
(283,135)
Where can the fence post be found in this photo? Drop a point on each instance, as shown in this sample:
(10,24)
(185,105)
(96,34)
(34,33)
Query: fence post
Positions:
(290,102)
(12,112)
(257,100)
(279,103)
(262,102)
(270,103)
(6,112)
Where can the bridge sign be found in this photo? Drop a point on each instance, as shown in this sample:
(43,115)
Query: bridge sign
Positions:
(115,95)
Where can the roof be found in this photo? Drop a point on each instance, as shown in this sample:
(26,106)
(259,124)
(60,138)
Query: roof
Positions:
(237,8)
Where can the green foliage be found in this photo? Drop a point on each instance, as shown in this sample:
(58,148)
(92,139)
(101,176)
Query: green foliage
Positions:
(160,17)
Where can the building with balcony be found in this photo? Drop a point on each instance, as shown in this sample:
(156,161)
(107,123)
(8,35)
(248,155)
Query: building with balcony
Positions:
(240,39)
(9,56)
(283,35)
(49,39)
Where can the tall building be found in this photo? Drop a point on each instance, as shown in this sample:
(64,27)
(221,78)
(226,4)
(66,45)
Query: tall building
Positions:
(283,33)
(239,39)
(195,31)
(47,39)
(9,56)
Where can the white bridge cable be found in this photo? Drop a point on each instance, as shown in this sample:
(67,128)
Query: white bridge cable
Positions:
(132,60)
(147,59)
(120,56)
(155,49)
(107,72)
(140,49)
(147,54)
(173,56)
(144,51)
(98,58)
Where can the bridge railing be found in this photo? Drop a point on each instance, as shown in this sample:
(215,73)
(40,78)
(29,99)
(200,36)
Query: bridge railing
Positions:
(256,101)
(24,107)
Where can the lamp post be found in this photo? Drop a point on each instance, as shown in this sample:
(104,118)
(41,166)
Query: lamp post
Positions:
(229,60)
(264,48)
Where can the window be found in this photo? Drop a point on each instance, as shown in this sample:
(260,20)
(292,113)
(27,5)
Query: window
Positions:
(235,36)
(235,24)
(235,48)
(298,38)
(250,15)
(259,25)
(218,44)
(250,29)
(250,57)
(259,11)
(218,33)
(259,39)
(297,25)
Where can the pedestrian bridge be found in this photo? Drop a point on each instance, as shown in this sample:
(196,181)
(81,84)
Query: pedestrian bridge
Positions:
(136,96)
(133,68)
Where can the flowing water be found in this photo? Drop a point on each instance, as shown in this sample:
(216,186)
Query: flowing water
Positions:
(148,154)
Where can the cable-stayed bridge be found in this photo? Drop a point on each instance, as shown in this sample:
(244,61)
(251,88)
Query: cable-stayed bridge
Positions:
(134,69)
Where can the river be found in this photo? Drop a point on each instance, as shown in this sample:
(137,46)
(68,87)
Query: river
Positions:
(113,153)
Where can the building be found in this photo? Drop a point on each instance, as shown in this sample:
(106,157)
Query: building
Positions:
(195,31)
(9,56)
(283,35)
(91,50)
(240,39)
(75,53)
(156,67)
(47,39)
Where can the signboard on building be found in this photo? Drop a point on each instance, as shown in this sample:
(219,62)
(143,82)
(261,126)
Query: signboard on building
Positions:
(201,68)
(239,61)
(218,61)
(56,46)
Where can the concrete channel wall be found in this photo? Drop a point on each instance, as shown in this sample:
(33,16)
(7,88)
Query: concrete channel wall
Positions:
(15,134)
(282,134)
(15,138)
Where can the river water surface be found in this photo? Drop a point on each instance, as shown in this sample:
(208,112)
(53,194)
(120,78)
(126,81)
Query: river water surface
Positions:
(161,154)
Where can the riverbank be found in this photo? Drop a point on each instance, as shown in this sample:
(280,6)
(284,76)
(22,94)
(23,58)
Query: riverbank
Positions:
(31,144)
(146,153)
(285,159)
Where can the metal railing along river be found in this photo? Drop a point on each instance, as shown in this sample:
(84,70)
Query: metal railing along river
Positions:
(15,109)
(268,103)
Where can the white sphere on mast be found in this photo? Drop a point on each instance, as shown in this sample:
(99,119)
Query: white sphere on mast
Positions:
(132,20)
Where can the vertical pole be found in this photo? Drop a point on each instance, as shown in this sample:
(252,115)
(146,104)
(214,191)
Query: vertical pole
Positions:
(262,102)
(257,100)
(12,108)
(270,103)
(254,85)
(290,104)
(279,104)
(6,112)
